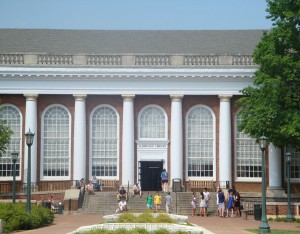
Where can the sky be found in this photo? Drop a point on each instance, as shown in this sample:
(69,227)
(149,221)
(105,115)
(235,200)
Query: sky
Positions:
(135,14)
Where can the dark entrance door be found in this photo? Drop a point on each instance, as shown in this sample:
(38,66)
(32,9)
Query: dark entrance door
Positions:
(150,172)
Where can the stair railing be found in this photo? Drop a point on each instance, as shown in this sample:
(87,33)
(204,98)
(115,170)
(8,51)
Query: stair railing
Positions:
(81,196)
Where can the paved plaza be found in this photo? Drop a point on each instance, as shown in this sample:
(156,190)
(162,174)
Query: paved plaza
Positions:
(236,225)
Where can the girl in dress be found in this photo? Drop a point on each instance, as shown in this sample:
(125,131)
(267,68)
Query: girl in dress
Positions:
(202,205)
(230,206)
(194,204)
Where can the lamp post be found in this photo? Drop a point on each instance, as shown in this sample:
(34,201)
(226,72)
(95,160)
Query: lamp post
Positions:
(29,141)
(263,226)
(288,157)
(14,157)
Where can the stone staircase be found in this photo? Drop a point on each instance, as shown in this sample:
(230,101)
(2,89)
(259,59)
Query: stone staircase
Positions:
(104,203)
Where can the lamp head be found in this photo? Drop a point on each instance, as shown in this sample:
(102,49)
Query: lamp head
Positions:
(29,138)
(288,157)
(14,156)
(263,142)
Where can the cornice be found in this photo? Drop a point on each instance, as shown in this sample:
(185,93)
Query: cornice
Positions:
(116,73)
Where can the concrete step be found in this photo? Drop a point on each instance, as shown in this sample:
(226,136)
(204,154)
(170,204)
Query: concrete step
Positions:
(104,203)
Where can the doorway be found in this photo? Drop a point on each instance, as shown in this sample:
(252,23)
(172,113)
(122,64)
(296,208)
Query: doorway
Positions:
(150,172)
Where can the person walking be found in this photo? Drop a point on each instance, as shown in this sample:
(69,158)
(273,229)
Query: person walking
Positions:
(168,203)
(230,205)
(149,200)
(157,201)
(164,180)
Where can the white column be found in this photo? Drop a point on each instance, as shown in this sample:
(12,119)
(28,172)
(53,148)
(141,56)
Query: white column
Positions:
(274,167)
(275,187)
(31,123)
(79,161)
(128,140)
(225,168)
(176,160)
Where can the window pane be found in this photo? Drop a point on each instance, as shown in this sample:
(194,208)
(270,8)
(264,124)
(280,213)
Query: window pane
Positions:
(152,124)
(104,142)
(200,138)
(248,155)
(295,163)
(56,142)
(12,117)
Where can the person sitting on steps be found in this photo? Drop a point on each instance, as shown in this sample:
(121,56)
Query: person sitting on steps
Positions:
(122,206)
(136,190)
(122,194)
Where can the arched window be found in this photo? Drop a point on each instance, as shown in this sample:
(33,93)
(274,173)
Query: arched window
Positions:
(152,123)
(56,135)
(200,142)
(104,140)
(247,155)
(12,116)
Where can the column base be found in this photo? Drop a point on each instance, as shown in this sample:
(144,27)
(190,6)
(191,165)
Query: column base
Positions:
(275,192)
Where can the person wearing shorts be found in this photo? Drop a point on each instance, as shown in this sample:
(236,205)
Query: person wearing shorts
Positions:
(221,203)
(149,201)
(164,180)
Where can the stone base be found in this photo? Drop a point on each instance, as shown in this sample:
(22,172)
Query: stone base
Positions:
(276,192)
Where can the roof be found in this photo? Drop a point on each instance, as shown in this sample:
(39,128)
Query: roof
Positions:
(202,42)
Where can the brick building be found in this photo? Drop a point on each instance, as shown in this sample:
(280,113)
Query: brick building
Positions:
(123,105)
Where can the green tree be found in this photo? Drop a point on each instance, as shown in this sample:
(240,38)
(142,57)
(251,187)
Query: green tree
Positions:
(5,134)
(272,105)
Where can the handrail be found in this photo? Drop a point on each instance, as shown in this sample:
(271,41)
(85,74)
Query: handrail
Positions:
(81,197)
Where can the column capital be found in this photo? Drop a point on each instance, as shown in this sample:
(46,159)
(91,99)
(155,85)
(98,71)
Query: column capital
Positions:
(225,97)
(79,97)
(31,96)
(128,97)
(176,97)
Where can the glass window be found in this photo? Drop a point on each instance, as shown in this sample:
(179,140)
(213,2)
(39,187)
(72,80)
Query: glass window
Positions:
(152,123)
(295,163)
(104,142)
(56,137)
(12,116)
(200,142)
(247,155)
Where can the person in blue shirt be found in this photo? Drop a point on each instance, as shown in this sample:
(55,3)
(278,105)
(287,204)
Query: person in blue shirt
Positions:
(164,181)
(221,203)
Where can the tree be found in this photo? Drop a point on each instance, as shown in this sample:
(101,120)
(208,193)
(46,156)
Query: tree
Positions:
(5,134)
(272,105)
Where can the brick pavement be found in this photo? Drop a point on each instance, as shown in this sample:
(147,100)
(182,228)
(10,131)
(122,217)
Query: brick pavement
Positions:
(236,225)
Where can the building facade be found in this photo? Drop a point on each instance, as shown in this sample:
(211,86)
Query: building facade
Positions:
(123,105)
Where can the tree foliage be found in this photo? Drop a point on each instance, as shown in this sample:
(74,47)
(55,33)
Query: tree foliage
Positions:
(5,134)
(272,105)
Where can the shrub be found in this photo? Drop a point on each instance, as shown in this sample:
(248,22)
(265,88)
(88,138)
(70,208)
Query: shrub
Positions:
(15,217)
(162,218)
(126,218)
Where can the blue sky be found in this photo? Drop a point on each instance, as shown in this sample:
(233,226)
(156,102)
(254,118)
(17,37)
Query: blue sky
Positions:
(135,14)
